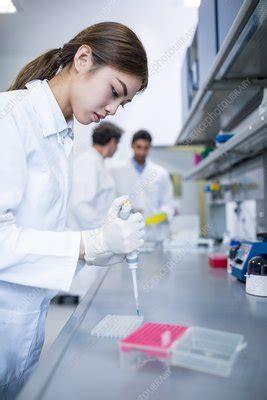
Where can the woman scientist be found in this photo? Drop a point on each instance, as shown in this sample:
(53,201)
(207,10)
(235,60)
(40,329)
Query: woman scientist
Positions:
(100,69)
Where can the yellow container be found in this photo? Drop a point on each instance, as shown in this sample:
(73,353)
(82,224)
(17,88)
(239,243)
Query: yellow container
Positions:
(156,219)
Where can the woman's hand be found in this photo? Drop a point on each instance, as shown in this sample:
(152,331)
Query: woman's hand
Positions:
(116,237)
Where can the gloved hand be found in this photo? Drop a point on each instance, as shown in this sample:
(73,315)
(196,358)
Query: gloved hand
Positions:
(109,245)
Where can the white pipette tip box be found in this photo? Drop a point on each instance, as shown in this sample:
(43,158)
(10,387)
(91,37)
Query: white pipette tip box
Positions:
(117,326)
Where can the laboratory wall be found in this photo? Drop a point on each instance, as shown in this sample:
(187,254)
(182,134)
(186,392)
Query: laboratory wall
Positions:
(9,66)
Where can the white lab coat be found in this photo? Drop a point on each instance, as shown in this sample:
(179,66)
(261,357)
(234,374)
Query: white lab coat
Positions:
(92,194)
(150,191)
(37,256)
(92,191)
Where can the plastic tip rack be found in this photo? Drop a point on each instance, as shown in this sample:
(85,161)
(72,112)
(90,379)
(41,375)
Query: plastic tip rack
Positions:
(154,339)
(117,326)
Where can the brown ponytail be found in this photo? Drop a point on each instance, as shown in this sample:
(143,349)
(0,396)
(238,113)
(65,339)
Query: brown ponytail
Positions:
(112,44)
(43,67)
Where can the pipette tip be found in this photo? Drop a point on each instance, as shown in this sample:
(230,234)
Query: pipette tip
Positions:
(138,312)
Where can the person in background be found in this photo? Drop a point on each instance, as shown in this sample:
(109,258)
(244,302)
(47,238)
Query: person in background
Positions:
(148,185)
(92,190)
(92,193)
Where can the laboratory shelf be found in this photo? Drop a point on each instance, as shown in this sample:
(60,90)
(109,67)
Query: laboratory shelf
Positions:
(234,87)
(172,290)
(249,142)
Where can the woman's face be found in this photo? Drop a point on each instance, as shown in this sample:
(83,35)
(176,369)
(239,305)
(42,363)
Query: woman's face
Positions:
(97,93)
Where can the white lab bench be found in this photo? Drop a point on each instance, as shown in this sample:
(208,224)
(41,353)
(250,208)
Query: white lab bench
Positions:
(185,291)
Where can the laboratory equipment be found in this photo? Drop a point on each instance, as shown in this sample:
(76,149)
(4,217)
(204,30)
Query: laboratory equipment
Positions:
(247,250)
(207,350)
(132,258)
(206,243)
(235,202)
(196,348)
(117,326)
(232,255)
(223,137)
(218,260)
(256,282)
(186,230)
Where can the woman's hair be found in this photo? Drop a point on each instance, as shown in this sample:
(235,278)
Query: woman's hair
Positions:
(112,44)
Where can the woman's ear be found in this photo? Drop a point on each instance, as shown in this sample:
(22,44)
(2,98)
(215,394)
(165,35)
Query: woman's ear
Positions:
(83,59)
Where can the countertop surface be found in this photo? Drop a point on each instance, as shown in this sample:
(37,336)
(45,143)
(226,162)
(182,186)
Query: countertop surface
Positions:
(177,288)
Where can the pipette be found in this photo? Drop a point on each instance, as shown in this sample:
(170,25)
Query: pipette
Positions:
(132,258)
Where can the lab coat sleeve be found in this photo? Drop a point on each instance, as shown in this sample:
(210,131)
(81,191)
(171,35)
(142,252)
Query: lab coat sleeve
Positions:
(29,257)
(82,209)
(167,196)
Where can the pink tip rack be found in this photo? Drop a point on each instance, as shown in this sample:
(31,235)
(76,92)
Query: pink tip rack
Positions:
(154,339)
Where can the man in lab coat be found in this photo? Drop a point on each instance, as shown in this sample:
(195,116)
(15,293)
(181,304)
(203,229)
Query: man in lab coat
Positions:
(147,184)
(92,193)
(92,190)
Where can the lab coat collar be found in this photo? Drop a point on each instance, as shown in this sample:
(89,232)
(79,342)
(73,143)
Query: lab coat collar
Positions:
(139,167)
(148,163)
(44,103)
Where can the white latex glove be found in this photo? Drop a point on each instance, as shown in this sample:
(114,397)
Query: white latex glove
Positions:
(109,244)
